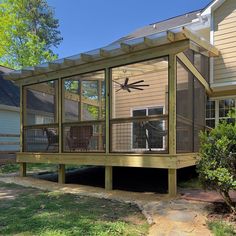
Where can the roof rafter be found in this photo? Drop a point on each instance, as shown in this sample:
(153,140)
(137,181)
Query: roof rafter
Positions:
(214,52)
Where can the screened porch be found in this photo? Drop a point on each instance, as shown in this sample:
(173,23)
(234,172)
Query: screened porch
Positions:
(138,103)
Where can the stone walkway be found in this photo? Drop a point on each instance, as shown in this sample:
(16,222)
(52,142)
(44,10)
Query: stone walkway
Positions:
(169,217)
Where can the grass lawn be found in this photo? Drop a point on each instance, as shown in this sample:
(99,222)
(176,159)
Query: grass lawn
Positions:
(221,228)
(28,211)
(12,168)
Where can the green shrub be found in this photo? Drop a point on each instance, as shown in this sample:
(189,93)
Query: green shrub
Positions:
(217,163)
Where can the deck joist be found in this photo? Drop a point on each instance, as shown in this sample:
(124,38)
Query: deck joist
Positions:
(165,161)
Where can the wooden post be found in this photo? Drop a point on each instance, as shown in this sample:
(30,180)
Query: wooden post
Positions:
(22,169)
(100,139)
(59,114)
(108,169)
(22,111)
(22,95)
(108,178)
(172,173)
(61,174)
(172,182)
(61,167)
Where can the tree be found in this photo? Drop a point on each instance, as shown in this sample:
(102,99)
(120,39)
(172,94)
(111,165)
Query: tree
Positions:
(28,33)
(217,165)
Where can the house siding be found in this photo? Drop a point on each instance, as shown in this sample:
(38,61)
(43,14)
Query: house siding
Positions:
(225,41)
(9,124)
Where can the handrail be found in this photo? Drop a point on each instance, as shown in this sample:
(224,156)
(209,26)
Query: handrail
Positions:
(139,118)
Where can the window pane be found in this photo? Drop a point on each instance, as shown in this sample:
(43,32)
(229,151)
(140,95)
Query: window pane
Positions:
(139,112)
(155,111)
(225,106)
(41,104)
(210,109)
(210,123)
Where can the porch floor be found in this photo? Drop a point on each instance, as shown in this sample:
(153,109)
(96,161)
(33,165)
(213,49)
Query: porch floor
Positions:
(127,179)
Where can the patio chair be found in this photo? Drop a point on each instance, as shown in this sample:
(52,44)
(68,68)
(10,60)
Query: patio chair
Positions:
(53,138)
(79,137)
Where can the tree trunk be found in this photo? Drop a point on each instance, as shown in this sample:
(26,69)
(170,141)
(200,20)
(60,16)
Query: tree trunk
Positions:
(228,201)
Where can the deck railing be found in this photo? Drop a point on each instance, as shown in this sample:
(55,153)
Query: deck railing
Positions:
(9,145)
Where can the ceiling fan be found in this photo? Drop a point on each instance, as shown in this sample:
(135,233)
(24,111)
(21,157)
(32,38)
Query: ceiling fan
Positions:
(126,86)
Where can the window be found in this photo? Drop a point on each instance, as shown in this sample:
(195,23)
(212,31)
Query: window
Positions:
(148,134)
(218,110)
(210,114)
(225,106)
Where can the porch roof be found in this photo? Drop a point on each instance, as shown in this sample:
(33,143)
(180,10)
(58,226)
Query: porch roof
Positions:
(197,43)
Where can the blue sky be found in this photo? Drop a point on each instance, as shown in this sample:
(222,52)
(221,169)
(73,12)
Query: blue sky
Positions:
(91,24)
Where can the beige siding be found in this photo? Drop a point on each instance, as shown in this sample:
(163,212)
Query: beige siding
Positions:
(225,41)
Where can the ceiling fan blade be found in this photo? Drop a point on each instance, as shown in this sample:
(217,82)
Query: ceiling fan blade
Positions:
(118,90)
(116,82)
(128,90)
(137,82)
(138,85)
(126,81)
(136,88)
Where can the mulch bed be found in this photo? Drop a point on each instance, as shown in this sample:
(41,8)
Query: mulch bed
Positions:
(221,212)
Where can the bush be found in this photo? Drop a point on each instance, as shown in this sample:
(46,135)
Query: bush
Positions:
(217,163)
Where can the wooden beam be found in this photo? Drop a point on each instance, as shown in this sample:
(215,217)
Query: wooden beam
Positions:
(103,159)
(22,169)
(26,72)
(119,60)
(172,103)
(126,47)
(69,62)
(156,42)
(214,52)
(39,69)
(104,53)
(54,66)
(170,36)
(172,182)
(196,48)
(61,174)
(184,59)
(86,57)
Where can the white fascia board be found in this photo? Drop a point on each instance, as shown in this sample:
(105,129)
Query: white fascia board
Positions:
(212,7)
(223,86)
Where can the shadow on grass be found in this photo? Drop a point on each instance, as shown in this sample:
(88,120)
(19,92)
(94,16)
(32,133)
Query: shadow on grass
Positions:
(34,212)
